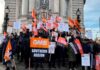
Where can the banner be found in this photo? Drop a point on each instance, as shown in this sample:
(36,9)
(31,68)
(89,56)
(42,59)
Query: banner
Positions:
(39,42)
(85,60)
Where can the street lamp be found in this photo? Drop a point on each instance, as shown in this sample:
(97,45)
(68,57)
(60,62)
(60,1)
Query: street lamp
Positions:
(6,19)
(78,13)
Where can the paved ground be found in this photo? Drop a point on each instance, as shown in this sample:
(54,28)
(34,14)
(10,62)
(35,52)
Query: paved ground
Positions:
(20,66)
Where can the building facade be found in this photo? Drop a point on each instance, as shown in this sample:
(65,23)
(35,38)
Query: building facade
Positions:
(21,9)
(12,13)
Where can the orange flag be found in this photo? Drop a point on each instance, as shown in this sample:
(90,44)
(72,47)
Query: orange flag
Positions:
(76,24)
(78,43)
(44,20)
(33,14)
(70,22)
(8,51)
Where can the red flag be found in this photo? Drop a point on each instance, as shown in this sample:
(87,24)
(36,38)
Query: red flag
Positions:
(70,22)
(78,43)
(8,51)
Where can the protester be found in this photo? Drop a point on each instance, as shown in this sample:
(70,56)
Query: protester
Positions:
(97,54)
(8,52)
(71,54)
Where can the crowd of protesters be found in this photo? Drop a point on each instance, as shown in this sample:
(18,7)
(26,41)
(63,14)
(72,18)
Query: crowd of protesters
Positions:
(68,53)
(63,53)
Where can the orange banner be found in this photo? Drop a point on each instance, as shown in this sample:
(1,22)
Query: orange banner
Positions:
(39,43)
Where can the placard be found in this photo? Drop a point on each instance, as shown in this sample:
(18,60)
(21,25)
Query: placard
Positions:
(39,52)
(30,27)
(85,59)
(89,34)
(52,46)
(39,42)
(17,25)
(63,27)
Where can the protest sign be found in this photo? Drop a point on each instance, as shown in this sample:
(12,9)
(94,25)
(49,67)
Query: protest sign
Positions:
(30,27)
(39,52)
(17,25)
(39,46)
(85,60)
(51,49)
(63,27)
(39,42)
(89,34)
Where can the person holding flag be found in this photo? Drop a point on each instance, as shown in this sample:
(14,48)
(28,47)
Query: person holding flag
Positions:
(8,56)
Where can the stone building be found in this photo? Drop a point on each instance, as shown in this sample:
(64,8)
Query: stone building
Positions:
(21,9)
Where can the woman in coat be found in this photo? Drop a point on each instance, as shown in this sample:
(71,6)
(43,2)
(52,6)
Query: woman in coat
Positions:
(71,55)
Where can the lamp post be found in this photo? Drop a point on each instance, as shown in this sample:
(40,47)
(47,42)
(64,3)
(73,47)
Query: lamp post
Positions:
(6,19)
(78,13)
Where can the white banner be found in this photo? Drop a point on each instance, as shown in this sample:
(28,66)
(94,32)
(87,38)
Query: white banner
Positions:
(85,59)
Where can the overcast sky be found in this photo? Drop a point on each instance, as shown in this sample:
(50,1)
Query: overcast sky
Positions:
(92,13)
